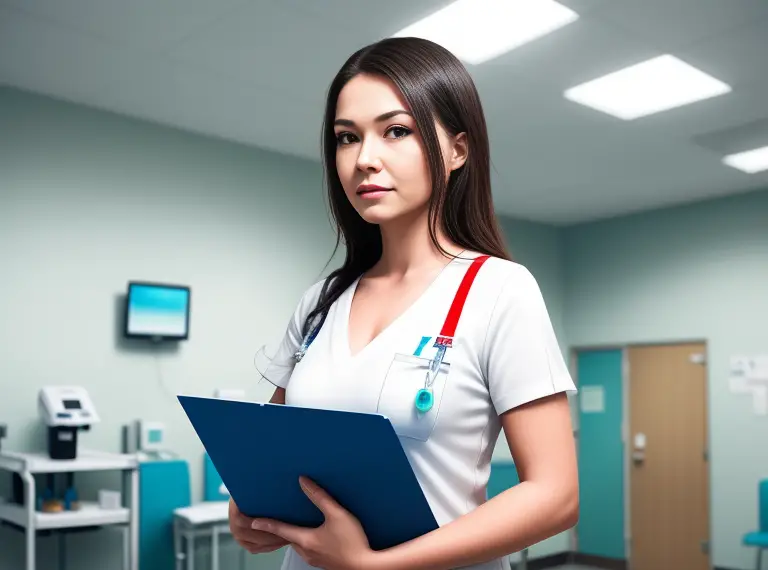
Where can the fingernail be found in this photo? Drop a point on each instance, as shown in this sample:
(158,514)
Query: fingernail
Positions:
(257,525)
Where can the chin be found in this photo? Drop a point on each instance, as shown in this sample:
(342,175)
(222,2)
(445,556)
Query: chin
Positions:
(379,214)
(385,212)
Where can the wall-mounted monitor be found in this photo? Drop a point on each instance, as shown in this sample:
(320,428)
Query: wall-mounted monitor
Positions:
(157,311)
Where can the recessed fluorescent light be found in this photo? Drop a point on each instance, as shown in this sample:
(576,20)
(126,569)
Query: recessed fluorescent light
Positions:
(750,161)
(476,31)
(654,85)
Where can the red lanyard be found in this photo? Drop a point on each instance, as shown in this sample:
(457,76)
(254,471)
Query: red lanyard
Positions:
(454,313)
(424,397)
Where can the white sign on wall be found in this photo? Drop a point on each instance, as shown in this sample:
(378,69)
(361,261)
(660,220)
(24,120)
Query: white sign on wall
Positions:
(749,375)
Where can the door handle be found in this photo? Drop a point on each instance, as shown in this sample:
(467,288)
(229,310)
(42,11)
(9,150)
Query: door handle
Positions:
(639,445)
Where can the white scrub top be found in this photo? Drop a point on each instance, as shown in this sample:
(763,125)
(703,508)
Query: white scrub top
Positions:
(505,354)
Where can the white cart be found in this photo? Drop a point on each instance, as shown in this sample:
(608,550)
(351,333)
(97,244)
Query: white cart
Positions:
(203,519)
(89,514)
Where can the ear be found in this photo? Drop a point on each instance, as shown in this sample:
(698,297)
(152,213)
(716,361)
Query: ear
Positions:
(460,151)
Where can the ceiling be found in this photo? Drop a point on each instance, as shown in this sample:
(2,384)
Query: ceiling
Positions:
(256,71)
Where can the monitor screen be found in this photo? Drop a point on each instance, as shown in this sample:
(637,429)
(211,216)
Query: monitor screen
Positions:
(157,311)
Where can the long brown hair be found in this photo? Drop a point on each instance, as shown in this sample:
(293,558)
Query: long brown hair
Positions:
(436,86)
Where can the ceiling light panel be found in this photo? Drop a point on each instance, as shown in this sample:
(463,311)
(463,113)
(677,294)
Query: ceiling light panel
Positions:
(750,161)
(649,87)
(477,31)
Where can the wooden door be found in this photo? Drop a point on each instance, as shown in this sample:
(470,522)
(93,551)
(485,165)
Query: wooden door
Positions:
(668,463)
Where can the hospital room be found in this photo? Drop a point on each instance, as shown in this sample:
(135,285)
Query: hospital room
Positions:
(214,216)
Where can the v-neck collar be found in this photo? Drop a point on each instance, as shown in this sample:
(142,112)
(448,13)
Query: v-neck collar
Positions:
(346,309)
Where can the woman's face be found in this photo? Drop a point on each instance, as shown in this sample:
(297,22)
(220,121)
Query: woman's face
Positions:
(380,159)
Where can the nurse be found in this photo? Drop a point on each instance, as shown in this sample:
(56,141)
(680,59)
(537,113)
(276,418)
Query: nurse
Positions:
(429,322)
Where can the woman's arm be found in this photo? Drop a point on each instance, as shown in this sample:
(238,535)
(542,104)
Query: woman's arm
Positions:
(543,504)
(278,397)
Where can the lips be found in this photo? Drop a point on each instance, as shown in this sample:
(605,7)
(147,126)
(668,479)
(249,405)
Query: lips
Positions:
(364,189)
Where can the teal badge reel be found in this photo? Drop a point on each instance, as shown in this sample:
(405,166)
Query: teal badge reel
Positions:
(424,400)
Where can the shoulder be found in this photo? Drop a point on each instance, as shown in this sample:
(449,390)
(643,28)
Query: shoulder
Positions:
(312,293)
(506,270)
(506,282)
(310,297)
(520,357)
(508,295)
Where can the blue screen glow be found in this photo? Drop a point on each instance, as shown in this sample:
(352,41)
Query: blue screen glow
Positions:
(157,310)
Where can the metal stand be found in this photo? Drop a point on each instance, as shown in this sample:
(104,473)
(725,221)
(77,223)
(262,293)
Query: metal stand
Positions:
(187,529)
(26,516)
(62,551)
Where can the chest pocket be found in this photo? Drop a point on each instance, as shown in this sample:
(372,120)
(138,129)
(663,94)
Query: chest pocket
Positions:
(407,374)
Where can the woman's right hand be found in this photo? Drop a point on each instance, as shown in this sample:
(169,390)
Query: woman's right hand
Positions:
(254,541)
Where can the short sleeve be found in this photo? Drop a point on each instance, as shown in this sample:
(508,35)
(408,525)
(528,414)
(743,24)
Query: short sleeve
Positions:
(281,365)
(523,361)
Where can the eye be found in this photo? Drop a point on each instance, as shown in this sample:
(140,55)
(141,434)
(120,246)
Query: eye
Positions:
(345,138)
(398,131)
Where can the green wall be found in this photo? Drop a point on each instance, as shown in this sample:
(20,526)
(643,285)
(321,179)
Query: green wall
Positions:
(693,272)
(89,200)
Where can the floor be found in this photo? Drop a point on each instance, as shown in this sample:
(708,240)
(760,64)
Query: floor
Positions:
(569,567)
(574,567)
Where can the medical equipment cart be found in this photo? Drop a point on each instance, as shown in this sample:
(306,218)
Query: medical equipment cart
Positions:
(30,520)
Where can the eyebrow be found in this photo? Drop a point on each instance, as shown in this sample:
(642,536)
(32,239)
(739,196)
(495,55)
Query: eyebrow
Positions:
(380,118)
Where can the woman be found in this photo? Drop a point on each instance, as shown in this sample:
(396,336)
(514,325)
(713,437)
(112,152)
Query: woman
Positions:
(407,166)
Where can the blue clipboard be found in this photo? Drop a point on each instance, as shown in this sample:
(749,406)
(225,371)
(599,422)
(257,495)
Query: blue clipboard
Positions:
(260,450)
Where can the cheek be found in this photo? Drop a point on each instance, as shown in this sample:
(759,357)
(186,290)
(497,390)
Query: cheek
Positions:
(346,169)
(412,171)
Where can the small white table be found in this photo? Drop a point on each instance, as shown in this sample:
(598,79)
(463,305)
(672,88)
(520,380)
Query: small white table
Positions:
(90,514)
(203,519)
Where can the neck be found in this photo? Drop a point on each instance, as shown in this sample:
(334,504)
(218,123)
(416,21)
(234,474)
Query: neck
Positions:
(407,247)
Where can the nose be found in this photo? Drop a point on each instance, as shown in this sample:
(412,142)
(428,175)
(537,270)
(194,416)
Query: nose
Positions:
(368,160)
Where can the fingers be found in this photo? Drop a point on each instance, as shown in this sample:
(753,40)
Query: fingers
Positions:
(254,541)
(241,521)
(236,518)
(262,547)
(258,536)
(256,549)
(245,533)
(296,535)
(318,496)
(291,533)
